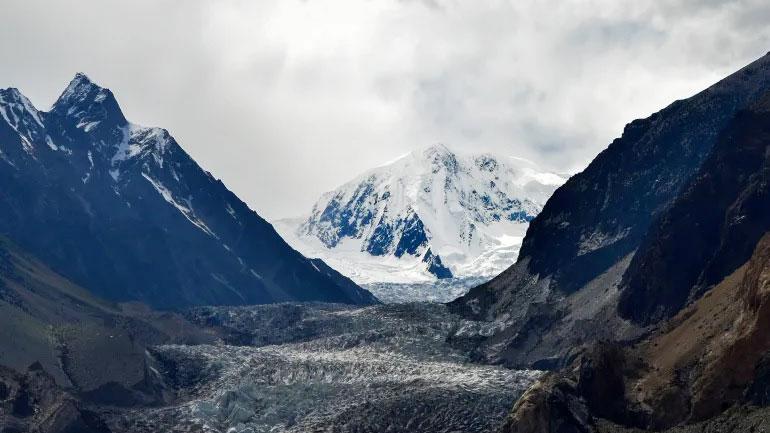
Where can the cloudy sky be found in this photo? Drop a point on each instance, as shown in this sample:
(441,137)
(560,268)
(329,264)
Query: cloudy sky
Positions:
(287,99)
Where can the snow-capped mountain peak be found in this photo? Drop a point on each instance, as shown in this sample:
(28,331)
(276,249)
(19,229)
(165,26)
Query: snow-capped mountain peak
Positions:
(435,211)
(19,113)
(89,104)
(112,142)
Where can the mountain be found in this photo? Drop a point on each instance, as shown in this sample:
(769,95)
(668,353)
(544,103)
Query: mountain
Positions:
(125,212)
(432,214)
(582,259)
(644,284)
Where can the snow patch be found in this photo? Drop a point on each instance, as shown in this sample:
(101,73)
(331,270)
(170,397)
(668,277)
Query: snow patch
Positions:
(138,140)
(87,126)
(231,211)
(187,211)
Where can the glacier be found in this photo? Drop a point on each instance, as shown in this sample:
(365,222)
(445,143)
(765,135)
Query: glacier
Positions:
(328,367)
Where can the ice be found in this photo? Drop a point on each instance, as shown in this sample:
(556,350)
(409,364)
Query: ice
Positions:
(431,291)
(323,367)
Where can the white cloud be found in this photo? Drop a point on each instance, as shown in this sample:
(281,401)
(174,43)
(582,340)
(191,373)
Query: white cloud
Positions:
(285,99)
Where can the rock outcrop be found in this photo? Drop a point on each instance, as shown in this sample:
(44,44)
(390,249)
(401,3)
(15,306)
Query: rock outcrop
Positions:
(709,358)
(32,402)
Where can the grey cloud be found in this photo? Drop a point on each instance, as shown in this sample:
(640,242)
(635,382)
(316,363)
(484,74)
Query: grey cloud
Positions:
(602,35)
(285,99)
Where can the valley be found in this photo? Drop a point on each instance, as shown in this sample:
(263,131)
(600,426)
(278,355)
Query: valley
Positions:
(105,324)
(442,292)
(81,364)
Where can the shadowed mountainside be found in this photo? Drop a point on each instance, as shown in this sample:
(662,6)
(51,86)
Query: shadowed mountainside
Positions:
(125,212)
(573,270)
(696,291)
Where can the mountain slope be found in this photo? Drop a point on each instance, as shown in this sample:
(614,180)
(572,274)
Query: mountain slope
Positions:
(565,288)
(697,289)
(710,229)
(85,344)
(125,212)
(705,369)
(431,214)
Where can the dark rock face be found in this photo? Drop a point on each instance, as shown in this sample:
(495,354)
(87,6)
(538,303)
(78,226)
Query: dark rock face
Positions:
(33,402)
(602,213)
(435,266)
(405,236)
(125,212)
(413,237)
(382,238)
(577,250)
(398,237)
(572,401)
(346,219)
(710,229)
(554,405)
(759,391)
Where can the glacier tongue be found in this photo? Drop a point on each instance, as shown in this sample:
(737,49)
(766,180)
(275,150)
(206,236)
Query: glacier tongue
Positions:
(431,214)
(323,367)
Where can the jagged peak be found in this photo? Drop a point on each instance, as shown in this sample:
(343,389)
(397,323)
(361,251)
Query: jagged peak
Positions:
(13,97)
(77,89)
(10,94)
(84,98)
(82,78)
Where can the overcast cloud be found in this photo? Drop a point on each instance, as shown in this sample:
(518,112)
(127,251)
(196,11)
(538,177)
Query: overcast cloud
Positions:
(287,99)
